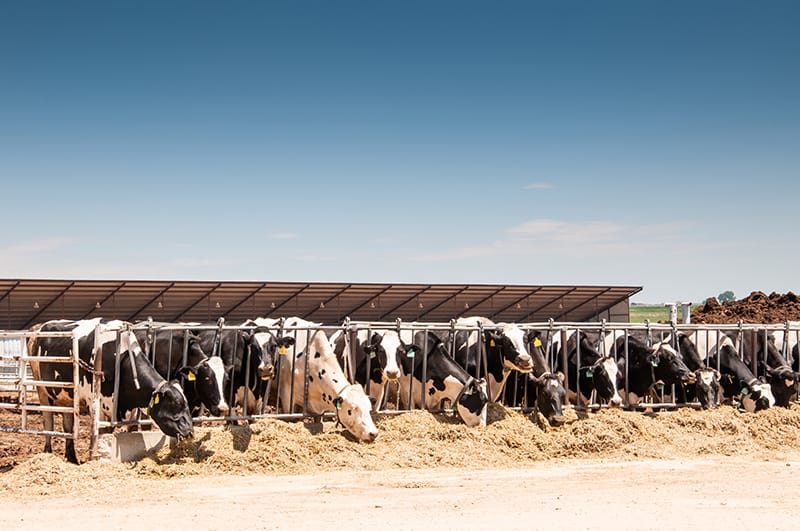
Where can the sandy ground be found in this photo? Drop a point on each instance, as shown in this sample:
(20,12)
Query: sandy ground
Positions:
(586,494)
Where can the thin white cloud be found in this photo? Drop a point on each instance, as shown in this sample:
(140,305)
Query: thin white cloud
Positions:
(36,246)
(206,262)
(540,186)
(591,240)
(283,236)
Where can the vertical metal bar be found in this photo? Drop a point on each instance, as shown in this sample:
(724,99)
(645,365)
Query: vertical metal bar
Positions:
(564,356)
(577,367)
(115,396)
(247,354)
(76,401)
(627,370)
(424,390)
(97,366)
(23,386)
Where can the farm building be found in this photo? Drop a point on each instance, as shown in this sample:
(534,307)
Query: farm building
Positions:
(25,302)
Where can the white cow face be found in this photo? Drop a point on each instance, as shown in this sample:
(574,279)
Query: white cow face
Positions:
(471,403)
(354,413)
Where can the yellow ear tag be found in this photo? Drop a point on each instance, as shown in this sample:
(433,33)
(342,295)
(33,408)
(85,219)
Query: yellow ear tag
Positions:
(537,342)
(156,399)
(191,377)
(491,342)
(282,351)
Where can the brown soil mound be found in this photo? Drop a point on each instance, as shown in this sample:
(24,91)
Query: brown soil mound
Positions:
(755,308)
(422,440)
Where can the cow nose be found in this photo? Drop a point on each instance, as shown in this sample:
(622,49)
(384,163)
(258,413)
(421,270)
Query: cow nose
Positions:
(616,400)
(556,420)
(371,436)
(265,372)
(524,361)
(392,374)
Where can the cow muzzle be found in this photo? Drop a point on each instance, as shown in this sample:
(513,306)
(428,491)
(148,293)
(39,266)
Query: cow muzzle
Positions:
(524,363)
(556,420)
(266,372)
(392,374)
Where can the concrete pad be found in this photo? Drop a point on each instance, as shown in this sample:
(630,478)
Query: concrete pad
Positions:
(129,446)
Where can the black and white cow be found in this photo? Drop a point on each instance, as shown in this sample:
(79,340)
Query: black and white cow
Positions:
(541,386)
(504,344)
(647,367)
(201,377)
(432,379)
(788,343)
(329,391)
(706,388)
(771,364)
(248,353)
(597,374)
(377,355)
(140,385)
(737,380)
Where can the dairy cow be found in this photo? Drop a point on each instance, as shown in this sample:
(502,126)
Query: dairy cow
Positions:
(329,391)
(770,363)
(432,379)
(248,353)
(201,377)
(648,366)
(376,354)
(503,343)
(140,385)
(706,388)
(541,386)
(737,380)
(597,374)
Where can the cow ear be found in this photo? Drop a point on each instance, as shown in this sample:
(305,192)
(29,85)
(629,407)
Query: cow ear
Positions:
(188,373)
(561,377)
(376,339)
(287,341)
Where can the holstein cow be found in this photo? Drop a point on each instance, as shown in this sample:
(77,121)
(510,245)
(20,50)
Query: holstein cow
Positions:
(328,388)
(737,380)
(706,389)
(504,344)
(140,385)
(647,367)
(540,386)
(201,377)
(771,364)
(598,375)
(248,355)
(377,353)
(432,379)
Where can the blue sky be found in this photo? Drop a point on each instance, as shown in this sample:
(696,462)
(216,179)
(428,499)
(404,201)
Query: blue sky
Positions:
(635,143)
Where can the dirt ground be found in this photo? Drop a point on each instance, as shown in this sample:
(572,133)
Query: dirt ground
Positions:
(610,469)
(755,308)
(565,494)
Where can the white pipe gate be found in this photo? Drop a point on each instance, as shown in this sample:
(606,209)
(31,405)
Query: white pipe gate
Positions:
(20,385)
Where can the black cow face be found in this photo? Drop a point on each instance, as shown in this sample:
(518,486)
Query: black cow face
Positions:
(707,388)
(671,369)
(784,385)
(471,403)
(550,396)
(170,411)
(202,383)
(603,376)
(375,357)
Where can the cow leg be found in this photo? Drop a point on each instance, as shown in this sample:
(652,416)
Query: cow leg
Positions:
(69,425)
(47,418)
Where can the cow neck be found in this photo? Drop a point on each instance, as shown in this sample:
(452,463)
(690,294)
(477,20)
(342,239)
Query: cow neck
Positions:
(337,404)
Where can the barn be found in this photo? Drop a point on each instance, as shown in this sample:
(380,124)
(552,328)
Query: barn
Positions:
(25,302)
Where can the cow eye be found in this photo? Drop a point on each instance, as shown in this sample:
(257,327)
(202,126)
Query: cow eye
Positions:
(349,411)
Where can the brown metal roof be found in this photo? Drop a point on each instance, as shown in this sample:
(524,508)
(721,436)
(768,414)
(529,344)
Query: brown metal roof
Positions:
(25,302)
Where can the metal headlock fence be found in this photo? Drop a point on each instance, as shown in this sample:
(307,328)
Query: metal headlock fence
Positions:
(260,398)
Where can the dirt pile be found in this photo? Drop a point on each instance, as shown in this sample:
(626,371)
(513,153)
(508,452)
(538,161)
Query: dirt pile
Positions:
(420,440)
(755,308)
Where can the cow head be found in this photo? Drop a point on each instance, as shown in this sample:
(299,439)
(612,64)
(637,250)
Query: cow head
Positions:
(604,374)
(756,395)
(509,344)
(170,411)
(670,367)
(783,382)
(707,387)
(263,347)
(206,380)
(471,403)
(353,412)
(550,396)
(383,351)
